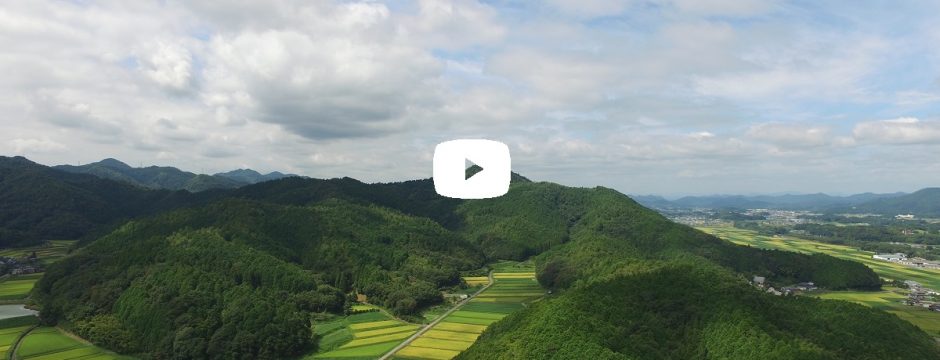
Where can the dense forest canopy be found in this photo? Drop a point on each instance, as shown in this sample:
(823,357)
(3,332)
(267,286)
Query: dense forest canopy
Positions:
(241,273)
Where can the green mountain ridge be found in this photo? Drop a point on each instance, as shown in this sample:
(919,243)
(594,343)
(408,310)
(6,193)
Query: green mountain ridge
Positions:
(169,178)
(241,273)
(40,203)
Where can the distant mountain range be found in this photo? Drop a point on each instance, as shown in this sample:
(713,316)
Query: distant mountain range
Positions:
(170,178)
(923,203)
(793,202)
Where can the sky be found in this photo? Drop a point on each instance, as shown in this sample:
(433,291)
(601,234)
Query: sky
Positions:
(668,97)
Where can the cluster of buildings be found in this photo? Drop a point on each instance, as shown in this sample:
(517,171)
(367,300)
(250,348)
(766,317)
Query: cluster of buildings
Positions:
(14,266)
(902,259)
(921,296)
(761,282)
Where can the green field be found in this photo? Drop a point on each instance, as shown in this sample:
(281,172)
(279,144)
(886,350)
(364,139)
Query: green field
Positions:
(48,343)
(888,300)
(47,253)
(365,335)
(11,329)
(514,285)
(927,277)
(17,287)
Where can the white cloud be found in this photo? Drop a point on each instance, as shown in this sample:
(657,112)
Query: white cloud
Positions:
(28,146)
(725,7)
(628,94)
(791,136)
(169,65)
(904,130)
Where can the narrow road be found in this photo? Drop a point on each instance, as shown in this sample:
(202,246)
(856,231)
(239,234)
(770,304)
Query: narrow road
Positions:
(427,327)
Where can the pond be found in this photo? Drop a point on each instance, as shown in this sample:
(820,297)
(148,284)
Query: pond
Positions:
(14,310)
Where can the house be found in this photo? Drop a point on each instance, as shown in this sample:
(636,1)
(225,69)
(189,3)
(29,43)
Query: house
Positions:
(774,291)
(934,307)
(759,281)
(904,217)
(23,270)
(890,257)
(805,286)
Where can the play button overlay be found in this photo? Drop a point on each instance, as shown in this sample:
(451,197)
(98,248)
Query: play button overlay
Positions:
(451,159)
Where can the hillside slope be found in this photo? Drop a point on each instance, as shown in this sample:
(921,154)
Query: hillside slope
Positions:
(630,284)
(167,283)
(39,203)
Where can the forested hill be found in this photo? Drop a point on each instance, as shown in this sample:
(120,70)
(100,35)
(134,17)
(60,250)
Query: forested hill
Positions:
(39,203)
(240,279)
(240,273)
(632,285)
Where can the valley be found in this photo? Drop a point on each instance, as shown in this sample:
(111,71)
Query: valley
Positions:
(891,299)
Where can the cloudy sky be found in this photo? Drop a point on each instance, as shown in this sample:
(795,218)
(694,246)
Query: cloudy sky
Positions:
(658,96)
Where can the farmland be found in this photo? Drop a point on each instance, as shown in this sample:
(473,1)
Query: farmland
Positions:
(514,286)
(927,277)
(365,335)
(48,343)
(890,300)
(18,286)
(11,329)
(47,253)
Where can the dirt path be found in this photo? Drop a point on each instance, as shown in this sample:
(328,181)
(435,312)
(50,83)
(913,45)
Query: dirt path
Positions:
(427,327)
(16,346)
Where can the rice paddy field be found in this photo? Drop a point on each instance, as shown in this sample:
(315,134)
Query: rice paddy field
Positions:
(10,331)
(514,286)
(927,277)
(889,300)
(367,335)
(17,287)
(48,343)
(48,253)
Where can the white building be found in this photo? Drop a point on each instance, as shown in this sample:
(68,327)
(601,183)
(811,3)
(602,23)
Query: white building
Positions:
(890,257)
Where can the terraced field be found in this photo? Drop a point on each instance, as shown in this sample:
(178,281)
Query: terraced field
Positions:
(366,335)
(928,277)
(48,343)
(17,287)
(514,286)
(47,253)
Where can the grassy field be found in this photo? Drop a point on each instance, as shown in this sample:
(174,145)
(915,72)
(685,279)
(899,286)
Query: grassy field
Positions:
(11,329)
(47,343)
(888,300)
(17,287)
(365,335)
(927,277)
(514,286)
(47,253)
